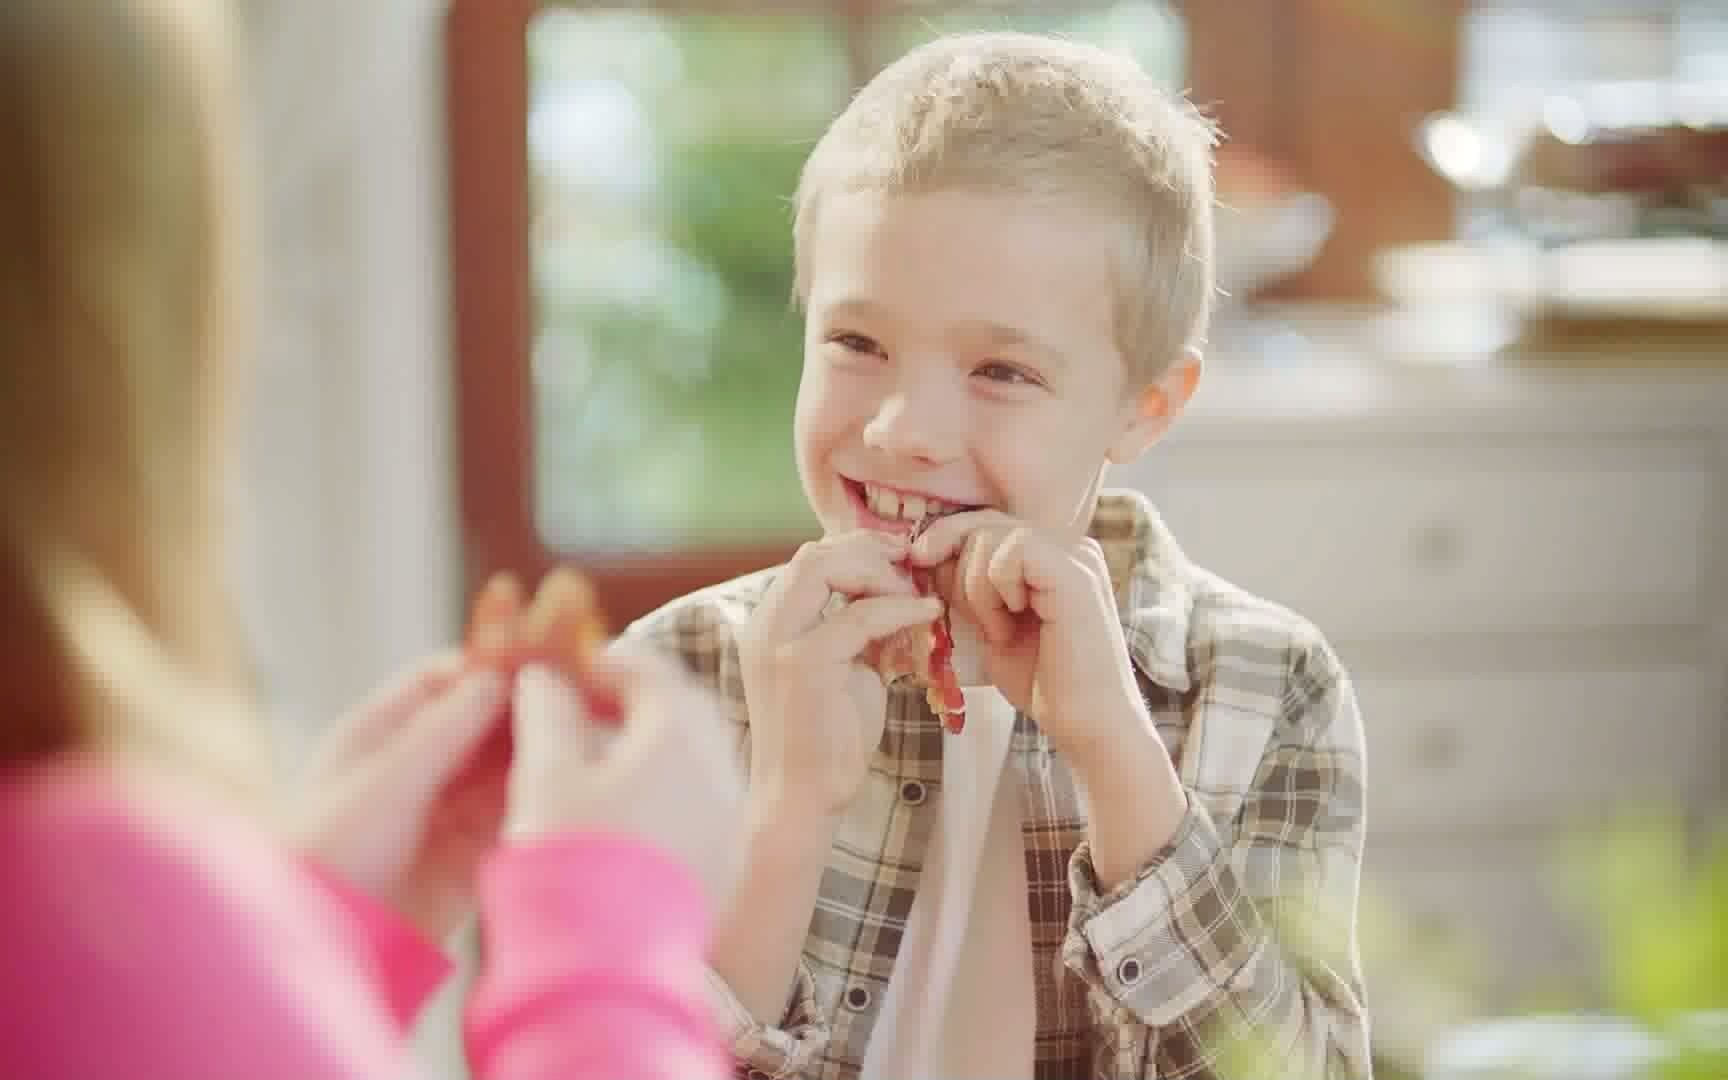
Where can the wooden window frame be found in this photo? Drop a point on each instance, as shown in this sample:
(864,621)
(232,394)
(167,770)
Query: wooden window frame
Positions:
(493,304)
(1295,77)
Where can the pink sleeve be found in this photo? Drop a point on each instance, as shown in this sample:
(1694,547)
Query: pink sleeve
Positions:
(593,966)
(137,949)
(407,967)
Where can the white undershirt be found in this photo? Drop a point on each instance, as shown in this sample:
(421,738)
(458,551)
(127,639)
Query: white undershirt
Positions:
(961,1002)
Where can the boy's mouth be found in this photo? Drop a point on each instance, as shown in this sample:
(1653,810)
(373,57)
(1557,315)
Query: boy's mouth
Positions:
(893,505)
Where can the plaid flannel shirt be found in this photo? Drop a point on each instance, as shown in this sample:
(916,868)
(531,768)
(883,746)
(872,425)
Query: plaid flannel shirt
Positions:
(1244,925)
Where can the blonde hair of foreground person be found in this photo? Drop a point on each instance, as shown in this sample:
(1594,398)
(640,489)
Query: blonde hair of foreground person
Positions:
(117,241)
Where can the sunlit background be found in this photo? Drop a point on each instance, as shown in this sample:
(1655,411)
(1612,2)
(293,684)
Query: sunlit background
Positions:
(1466,407)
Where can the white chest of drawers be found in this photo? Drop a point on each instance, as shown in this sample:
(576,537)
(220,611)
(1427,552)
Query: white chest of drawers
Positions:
(1526,571)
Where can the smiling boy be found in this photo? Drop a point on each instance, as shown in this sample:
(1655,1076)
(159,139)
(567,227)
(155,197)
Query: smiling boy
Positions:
(1004,253)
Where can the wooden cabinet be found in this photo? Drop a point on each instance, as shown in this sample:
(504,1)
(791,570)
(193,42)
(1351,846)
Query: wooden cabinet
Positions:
(1422,533)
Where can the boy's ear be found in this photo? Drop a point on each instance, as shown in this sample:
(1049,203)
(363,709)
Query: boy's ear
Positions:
(1156,407)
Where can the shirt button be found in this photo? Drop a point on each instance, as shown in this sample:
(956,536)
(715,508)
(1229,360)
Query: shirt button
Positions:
(913,792)
(858,999)
(1128,971)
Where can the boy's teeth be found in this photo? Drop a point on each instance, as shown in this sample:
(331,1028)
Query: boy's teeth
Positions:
(894,507)
(885,503)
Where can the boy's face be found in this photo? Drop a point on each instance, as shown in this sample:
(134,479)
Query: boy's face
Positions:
(961,347)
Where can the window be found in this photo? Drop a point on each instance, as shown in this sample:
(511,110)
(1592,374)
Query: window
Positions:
(628,352)
(663,148)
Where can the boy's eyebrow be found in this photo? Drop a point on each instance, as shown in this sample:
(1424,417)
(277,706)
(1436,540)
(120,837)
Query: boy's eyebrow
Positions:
(856,307)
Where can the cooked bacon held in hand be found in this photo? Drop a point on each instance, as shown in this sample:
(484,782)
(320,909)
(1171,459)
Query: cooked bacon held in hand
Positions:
(562,629)
(924,655)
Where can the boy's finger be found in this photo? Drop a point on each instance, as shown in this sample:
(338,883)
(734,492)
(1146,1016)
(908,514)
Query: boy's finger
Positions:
(983,602)
(1055,580)
(946,536)
(846,634)
(1007,572)
(868,579)
(858,565)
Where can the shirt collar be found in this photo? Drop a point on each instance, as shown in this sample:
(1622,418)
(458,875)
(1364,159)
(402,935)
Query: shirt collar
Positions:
(1153,582)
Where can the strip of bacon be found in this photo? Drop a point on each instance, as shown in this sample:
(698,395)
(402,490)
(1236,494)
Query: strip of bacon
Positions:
(563,628)
(924,655)
(942,686)
(942,689)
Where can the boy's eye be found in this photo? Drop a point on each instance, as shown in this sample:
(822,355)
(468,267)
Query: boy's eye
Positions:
(857,343)
(1007,374)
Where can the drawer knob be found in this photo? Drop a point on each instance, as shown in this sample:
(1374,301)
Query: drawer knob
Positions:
(1437,546)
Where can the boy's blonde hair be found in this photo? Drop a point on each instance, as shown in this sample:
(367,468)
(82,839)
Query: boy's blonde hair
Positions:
(116,245)
(1052,119)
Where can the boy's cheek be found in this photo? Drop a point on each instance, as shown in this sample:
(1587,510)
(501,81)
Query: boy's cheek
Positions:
(822,417)
(1038,487)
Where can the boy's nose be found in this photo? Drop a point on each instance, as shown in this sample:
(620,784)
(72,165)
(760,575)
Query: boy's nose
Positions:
(916,426)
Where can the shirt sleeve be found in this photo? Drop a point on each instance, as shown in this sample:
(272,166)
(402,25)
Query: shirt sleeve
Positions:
(771,1052)
(1224,952)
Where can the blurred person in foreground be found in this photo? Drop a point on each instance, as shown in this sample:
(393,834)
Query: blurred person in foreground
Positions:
(155,922)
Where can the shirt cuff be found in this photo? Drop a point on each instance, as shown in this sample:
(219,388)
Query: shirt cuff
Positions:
(767,1052)
(407,966)
(1172,939)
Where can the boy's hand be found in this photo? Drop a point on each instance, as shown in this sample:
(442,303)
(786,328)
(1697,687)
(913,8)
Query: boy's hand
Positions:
(1045,606)
(1053,645)
(816,711)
